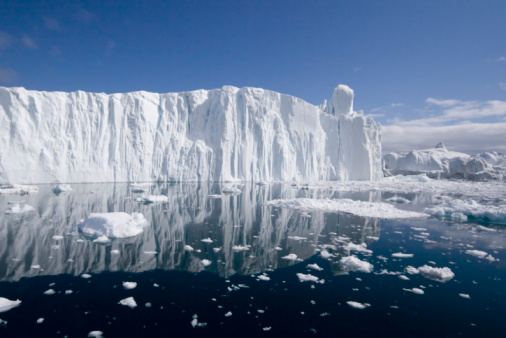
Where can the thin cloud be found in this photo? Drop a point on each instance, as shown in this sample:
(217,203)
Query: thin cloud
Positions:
(85,16)
(28,42)
(395,105)
(502,85)
(51,23)
(502,58)
(7,75)
(375,115)
(5,40)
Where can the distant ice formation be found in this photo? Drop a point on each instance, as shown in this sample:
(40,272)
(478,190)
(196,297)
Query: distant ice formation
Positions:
(439,162)
(226,134)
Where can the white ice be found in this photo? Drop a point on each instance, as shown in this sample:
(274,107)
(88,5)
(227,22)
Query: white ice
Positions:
(359,208)
(129,285)
(206,262)
(61,188)
(130,302)
(352,263)
(17,209)
(438,274)
(357,305)
(402,255)
(463,210)
(6,304)
(113,225)
(17,189)
(152,199)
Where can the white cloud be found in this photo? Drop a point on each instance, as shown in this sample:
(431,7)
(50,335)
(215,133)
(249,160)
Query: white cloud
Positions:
(28,42)
(7,75)
(465,126)
(395,105)
(5,40)
(502,58)
(51,23)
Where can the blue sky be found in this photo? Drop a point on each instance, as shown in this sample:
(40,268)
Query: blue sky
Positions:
(426,70)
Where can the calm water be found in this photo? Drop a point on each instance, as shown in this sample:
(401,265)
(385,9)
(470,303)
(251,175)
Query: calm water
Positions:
(232,295)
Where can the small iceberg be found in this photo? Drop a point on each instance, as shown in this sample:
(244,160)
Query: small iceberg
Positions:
(112,225)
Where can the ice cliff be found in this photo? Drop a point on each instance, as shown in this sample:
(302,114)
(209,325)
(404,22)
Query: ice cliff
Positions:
(226,134)
(439,162)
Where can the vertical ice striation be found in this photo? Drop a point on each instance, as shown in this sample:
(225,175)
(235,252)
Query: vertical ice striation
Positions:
(226,134)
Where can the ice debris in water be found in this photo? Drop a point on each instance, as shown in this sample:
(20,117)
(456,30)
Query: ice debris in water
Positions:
(358,208)
(411,270)
(129,285)
(17,209)
(152,199)
(57,237)
(290,257)
(314,267)
(6,304)
(230,191)
(206,240)
(464,295)
(49,292)
(402,255)
(397,199)
(308,278)
(357,247)
(40,320)
(357,305)
(463,210)
(85,276)
(113,225)
(264,277)
(130,302)
(437,274)
(188,248)
(195,322)
(415,290)
(18,189)
(96,334)
(352,263)
(481,254)
(241,247)
(206,262)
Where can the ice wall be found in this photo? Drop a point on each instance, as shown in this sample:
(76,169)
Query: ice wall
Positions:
(226,134)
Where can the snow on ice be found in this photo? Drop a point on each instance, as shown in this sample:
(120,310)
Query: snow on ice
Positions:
(113,225)
(226,134)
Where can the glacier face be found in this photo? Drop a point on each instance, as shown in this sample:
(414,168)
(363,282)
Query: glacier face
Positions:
(226,134)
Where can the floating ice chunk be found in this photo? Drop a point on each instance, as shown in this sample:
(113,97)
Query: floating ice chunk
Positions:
(290,257)
(230,191)
(140,187)
(418,229)
(325,254)
(411,270)
(267,328)
(358,247)
(217,249)
(40,320)
(129,285)
(477,253)
(206,240)
(68,292)
(17,209)
(464,295)
(359,208)
(188,248)
(228,314)
(6,304)
(402,255)
(357,305)
(264,277)
(49,292)
(438,274)
(115,252)
(101,239)
(415,290)
(130,302)
(113,225)
(37,266)
(60,188)
(458,209)
(352,263)
(85,276)
(307,278)
(206,262)
(149,252)
(403,277)
(397,199)
(314,267)
(152,199)
(195,322)
(97,334)
(297,238)
(18,189)
(241,247)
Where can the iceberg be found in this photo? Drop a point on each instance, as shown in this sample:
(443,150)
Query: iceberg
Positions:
(112,225)
(226,134)
(439,162)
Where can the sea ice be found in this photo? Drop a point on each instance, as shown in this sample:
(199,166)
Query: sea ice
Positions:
(290,257)
(463,210)
(415,290)
(314,267)
(85,276)
(228,314)
(206,262)
(357,305)
(402,255)
(152,199)
(129,285)
(352,263)
(113,225)
(130,302)
(230,191)
(359,208)
(49,292)
(264,277)
(18,189)
(60,188)
(6,304)
(464,295)
(57,237)
(97,334)
(17,209)
(307,278)
(357,247)
(438,274)
(241,247)
(40,320)
(188,248)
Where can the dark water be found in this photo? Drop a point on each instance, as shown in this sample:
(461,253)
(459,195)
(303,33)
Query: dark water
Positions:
(227,297)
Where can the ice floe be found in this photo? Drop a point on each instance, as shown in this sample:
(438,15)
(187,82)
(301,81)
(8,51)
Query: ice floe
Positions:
(61,188)
(352,263)
(152,199)
(129,285)
(17,209)
(290,257)
(18,189)
(481,254)
(113,225)
(230,191)
(460,210)
(402,255)
(307,278)
(359,208)
(314,267)
(205,262)
(437,274)
(97,334)
(415,290)
(130,302)
(357,305)
(464,295)
(6,304)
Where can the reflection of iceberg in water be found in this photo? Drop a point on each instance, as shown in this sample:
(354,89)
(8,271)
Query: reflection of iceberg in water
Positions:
(265,234)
